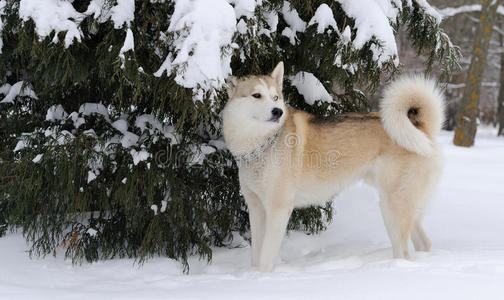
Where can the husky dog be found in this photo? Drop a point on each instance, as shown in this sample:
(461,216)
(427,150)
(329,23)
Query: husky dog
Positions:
(288,158)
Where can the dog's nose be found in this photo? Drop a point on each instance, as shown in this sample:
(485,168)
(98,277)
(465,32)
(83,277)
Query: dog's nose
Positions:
(277,112)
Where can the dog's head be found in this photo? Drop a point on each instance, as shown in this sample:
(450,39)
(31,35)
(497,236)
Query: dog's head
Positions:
(257,99)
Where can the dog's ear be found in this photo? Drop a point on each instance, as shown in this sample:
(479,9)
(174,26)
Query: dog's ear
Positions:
(232,84)
(278,73)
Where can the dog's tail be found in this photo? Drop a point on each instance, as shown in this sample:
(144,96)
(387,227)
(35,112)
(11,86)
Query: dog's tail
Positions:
(412,113)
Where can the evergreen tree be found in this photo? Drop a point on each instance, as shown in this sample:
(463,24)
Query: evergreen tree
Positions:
(109,123)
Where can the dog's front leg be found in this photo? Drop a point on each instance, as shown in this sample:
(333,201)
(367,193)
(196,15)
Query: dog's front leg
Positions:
(257,220)
(277,217)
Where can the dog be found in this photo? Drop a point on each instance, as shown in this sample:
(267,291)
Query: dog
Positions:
(288,158)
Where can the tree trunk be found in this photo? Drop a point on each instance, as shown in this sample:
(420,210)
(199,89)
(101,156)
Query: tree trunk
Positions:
(500,98)
(465,121)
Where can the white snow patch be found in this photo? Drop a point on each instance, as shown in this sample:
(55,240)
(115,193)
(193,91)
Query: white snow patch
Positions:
(139,156)
(451,11)
(94,108)
(163,205)
(241,27)
(91,232)
(430,10)
(324,18)
(120,125)
(154,208)
(296,24)
(202,29)
(37,158)
(91,176)
(17,90)
(52,15)
(244,8)
(310,87)
(128,45)
(152,124)
(20,146)
(123,12)
(77,121)
(56,113)
(373,21)
(347,35)
(129,139)
(4,89)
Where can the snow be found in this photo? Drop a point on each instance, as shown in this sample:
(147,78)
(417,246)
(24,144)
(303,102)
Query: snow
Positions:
(19,146)
(56,113)
(164,203)
(151,123)
(202,29)
(120,14)
(129,139)
(451,11)
(351,260)
(310,88)
(91,176)
(123,12)
(430,10)
(245,8)
(4,89)
(87,109)
(52,15)
(129,44)
(347,35)
(11,92)
(324,18)
(139,156)
(37,158)
(296,24)
(373,22)
(241,27)
(120,125)
(91,232)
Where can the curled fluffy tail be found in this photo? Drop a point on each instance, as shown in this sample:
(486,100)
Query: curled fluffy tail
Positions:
(412,113)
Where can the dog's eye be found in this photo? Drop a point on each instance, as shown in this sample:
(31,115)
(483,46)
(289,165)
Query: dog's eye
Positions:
(256,95)
(275,98)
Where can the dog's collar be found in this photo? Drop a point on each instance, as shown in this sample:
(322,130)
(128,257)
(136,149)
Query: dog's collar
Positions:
(255,154)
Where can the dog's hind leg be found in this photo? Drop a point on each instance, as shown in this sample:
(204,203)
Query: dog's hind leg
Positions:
(257,219)
(420,240)
(276,225)
(398,215)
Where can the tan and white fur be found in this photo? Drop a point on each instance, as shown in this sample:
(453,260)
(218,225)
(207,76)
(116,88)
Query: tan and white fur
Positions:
(288,158)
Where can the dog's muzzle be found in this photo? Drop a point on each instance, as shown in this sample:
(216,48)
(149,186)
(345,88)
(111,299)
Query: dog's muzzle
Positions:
(276,114)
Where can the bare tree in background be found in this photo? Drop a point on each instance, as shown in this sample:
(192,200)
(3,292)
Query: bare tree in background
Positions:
(465,121)
(500,98)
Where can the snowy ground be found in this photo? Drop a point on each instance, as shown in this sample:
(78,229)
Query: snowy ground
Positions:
(351,260)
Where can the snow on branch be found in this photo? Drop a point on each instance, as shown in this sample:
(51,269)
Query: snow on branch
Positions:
(202,29)
(310,88)
(60,16)
(452,11)
(324,18)
(50,15)
(374,21)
